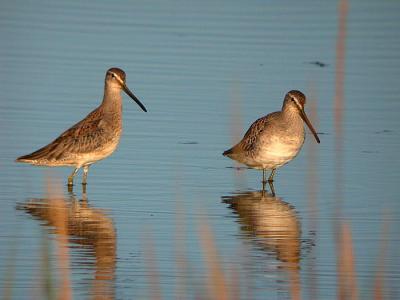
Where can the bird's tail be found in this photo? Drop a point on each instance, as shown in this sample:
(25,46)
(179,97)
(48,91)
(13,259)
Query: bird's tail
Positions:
(26,159)
(227,152)
(23,159)
(37,156)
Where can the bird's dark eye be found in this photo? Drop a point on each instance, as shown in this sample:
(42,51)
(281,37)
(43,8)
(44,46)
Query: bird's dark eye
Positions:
(112,75)
(292,99)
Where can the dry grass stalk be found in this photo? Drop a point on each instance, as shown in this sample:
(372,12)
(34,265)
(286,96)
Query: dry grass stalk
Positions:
(217,285)
(339,101)
(58,217)
(153,274)
(340,70)
(347,277)
(294,280)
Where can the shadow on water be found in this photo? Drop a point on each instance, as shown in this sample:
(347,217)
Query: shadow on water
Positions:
(83,225)
(276,227)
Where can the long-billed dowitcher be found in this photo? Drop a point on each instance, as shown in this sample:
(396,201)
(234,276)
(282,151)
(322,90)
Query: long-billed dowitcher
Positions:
(274,140)
(93,138)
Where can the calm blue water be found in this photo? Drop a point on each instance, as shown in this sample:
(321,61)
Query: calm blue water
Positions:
(203,70)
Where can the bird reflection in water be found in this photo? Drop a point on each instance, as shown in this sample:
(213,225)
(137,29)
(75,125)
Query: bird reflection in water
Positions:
(88,227)
(275,226)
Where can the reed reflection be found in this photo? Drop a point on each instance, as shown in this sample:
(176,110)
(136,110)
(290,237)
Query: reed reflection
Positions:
(88,227)
(276,227)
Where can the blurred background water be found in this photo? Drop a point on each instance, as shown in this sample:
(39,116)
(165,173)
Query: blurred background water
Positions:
(205,70)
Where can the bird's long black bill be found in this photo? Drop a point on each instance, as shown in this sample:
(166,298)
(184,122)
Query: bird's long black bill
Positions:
(307,121)
(130,94)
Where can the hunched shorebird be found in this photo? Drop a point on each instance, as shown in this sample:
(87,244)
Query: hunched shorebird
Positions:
(275,139)
(93,138)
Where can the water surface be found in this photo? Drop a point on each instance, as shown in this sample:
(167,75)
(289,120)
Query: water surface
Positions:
(205,71)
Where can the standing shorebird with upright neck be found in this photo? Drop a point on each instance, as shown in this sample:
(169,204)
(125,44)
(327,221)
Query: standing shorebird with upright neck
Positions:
(274,140)
(93,138)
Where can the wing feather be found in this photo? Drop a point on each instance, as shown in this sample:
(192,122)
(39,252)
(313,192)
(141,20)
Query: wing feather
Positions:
(252,135)
(84,137)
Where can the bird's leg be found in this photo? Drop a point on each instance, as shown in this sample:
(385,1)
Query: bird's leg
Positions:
(271,177)
(85,173)
(264,181)
(71,177)
(271,186)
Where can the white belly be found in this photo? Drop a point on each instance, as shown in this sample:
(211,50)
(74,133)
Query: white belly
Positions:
(91,157)
(275,152)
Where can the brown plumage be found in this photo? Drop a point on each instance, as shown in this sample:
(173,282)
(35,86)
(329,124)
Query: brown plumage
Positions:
(93,138)
(84,137)
(275,139)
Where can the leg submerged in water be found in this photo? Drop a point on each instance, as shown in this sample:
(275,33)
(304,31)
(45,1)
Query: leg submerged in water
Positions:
(71,177)
(85,173)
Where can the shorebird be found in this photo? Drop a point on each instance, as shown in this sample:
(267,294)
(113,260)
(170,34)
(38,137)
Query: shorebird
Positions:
(93,138)
(275,139)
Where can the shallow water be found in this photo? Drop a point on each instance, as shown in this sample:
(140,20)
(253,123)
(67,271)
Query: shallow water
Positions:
(205,71)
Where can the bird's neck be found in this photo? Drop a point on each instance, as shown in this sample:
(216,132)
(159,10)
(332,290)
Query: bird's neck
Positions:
(292,116)
(291,112)
(112,100)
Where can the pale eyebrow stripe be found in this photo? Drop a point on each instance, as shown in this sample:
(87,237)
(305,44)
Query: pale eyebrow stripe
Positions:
(296,101)
(118,78)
